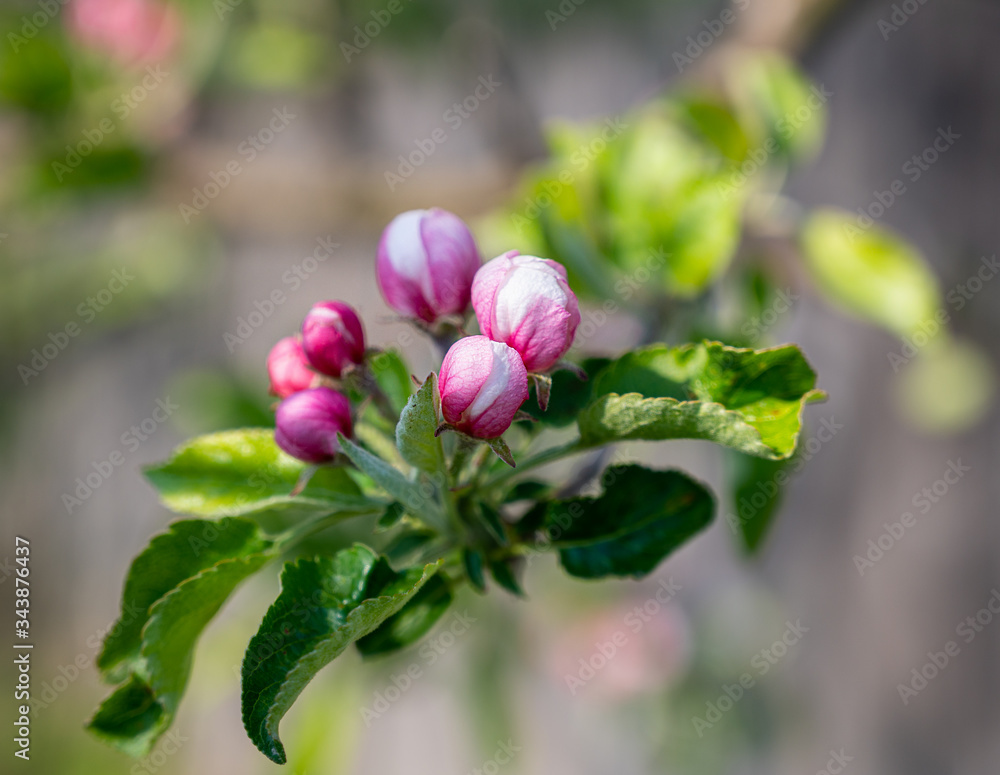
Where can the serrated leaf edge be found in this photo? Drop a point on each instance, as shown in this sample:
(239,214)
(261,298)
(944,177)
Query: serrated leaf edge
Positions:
(272,718)
(769,452)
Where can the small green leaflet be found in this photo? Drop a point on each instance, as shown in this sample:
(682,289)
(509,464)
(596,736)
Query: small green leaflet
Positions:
(325,604)
(413,499)
(242,472)
(393,376)
(174,588)
(569,395)
(415,431)
(412,622)
(750,400)
(871,273)
(757,487)
(641,517)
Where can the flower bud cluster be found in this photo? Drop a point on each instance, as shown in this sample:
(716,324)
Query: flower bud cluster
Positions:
(429,270)
(332,344)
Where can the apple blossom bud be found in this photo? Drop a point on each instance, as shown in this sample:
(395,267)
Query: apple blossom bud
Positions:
(526,303)
(426,262)
(307,424)
(288,368)
(482,384)
(332,337)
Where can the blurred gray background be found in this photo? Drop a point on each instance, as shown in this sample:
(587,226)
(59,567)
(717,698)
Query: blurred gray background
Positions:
(836,690)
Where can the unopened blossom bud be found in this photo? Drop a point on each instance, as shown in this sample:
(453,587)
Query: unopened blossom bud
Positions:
(288,368)
(482,385)
(527,303)
(332,337)
(426,262)
(307,424)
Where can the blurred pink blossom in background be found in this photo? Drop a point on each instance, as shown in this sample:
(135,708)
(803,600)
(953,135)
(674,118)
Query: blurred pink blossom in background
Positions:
(617,654)
(132,32)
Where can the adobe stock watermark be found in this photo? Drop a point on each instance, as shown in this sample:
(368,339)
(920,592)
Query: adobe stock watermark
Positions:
(50,690)
(901,14)
(956,298)
(169,745)
(766,489)
(32,25)
(87,311)
(913,169)
(503,756)
(632,624)
(967,631)
(246,153)
(760,665)
(560,13)
(6,568)
(837,762)
(758,325)
(225,7)
(563,519)
(131,440)
(786,127)
(580,159)
(431,650)
(923,501)
(698,44)
(452,118)
(593,319)
(122,106)
(370,29)
(291,280)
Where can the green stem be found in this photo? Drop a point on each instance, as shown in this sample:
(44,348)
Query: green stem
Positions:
(541,458)
(300,532)
(463,448)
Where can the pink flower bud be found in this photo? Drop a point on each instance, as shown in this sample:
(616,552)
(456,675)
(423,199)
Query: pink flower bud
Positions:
(332,337)
(307,424)
(526,302)
(482,385)
(288,368)
(426,262)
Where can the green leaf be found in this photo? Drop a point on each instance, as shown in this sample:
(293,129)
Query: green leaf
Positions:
(569,395)
(242,472)
(389,518)
(393,482)
(393,377)
(325,604)
(493,523)
(750,400)
(130,719)
(505,574)
(408,545)
(527,489)
(782,105)
(412,622)
(641,517)
(187,549)
(415,431)
(502,451)
(713,122)
(658,371)
(473,561)
(870,272)
(949,387)
(670,211)
(173,590)
(757,487)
